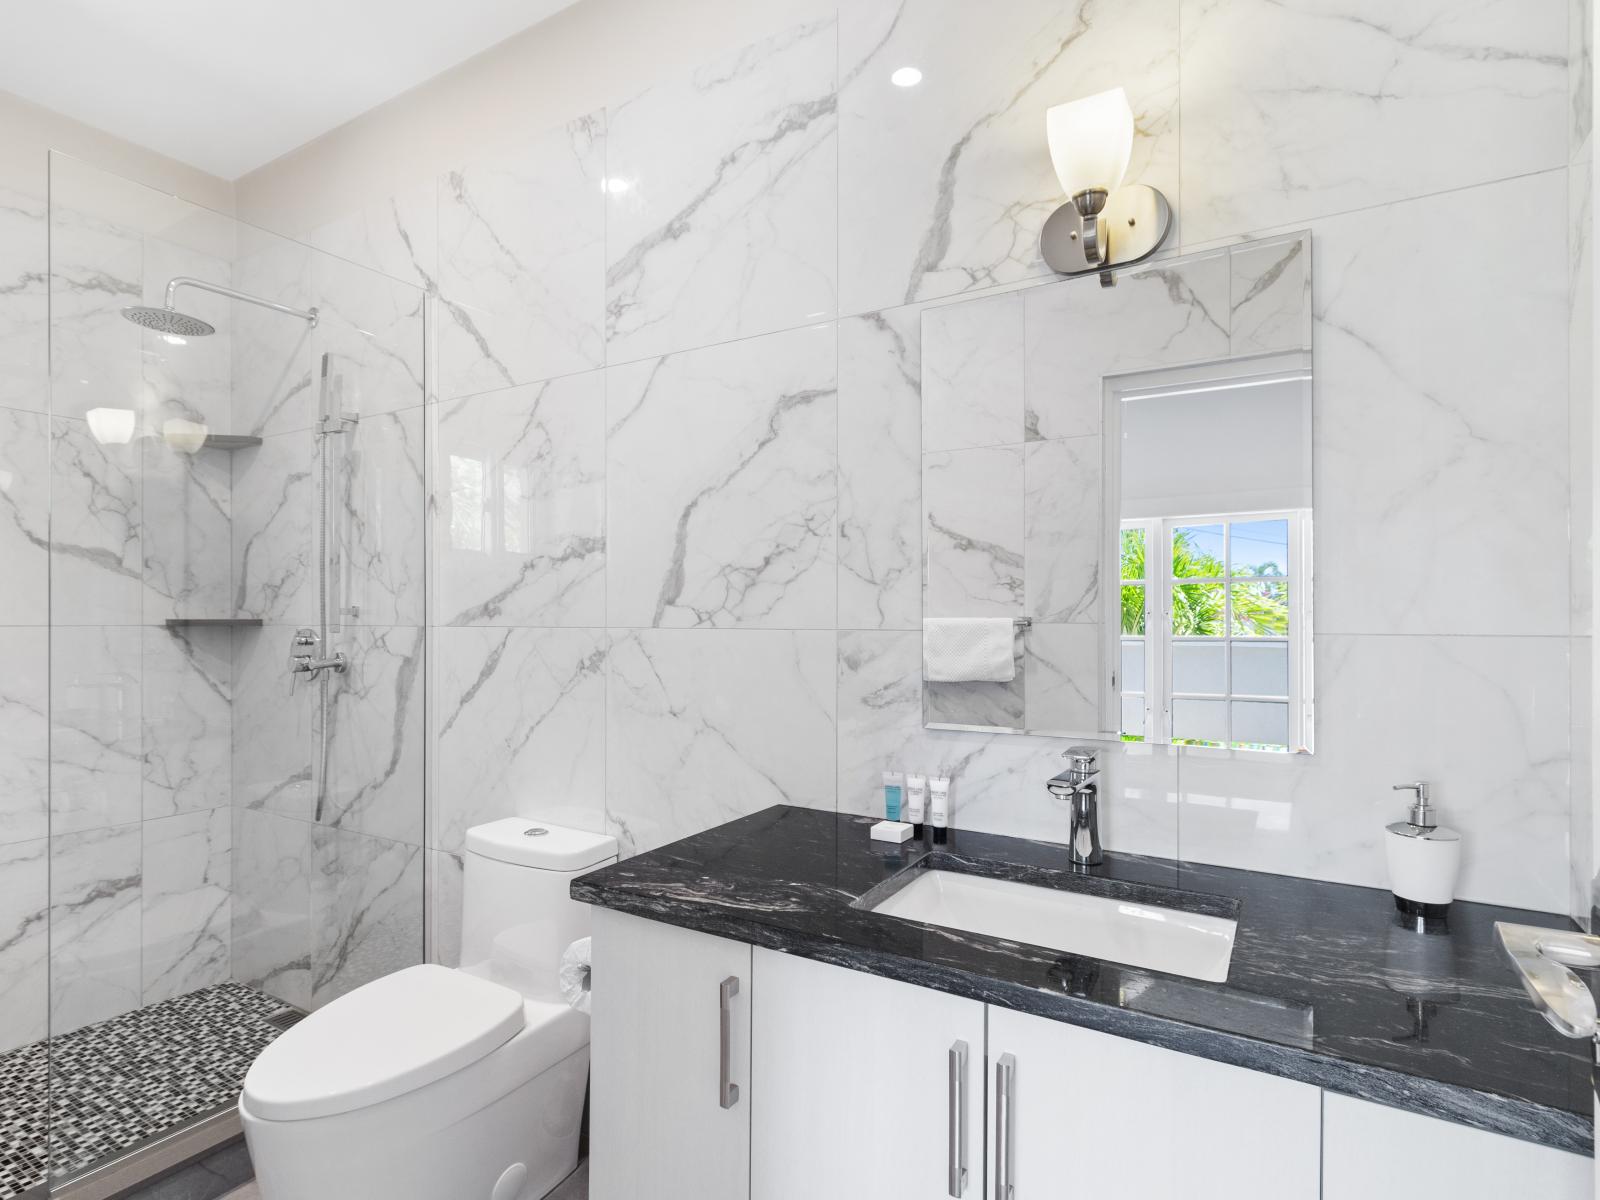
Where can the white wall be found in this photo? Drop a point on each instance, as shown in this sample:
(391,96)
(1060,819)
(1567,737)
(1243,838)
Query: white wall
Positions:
(702,389)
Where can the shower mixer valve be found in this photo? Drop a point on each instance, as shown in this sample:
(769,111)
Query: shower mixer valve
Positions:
(303,659)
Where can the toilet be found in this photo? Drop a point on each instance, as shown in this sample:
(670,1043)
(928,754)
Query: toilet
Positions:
(434,1081)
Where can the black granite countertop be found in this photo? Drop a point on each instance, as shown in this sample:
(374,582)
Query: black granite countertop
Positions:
(1326,984)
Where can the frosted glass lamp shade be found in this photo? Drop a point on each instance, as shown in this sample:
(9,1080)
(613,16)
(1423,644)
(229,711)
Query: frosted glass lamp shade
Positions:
(1090,141)
(184,436)
(111,426)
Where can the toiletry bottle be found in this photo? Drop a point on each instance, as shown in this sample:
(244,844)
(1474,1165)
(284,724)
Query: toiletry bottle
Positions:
(916,802)
(1424,857)
(939,808)
(893,788)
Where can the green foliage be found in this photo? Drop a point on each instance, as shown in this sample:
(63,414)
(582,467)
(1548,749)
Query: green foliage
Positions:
(1198,609)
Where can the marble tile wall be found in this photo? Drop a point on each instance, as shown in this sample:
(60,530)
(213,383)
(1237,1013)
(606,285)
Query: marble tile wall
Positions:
(678,404)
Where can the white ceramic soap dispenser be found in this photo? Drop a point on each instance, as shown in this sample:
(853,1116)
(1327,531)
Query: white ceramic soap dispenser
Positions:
(1424,857)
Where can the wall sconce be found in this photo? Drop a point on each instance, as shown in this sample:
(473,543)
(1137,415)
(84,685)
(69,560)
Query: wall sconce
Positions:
(1104,224)
(111,426)
(186,437)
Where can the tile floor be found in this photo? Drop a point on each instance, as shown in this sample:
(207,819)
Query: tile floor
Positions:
(107,1087)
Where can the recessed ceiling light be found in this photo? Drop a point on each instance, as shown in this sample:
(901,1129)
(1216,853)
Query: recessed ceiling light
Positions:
(906,77)
(616,186)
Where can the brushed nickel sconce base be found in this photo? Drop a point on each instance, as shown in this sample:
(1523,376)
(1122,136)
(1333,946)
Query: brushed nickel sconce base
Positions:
(1133,225)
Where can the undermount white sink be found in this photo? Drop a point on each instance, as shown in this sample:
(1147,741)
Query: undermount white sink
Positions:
(1136,935)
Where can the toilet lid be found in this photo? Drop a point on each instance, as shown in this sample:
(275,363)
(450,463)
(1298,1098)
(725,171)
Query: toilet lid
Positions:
(387,1037)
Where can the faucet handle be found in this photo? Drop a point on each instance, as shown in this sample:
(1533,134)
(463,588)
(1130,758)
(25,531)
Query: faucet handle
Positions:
(1083,757)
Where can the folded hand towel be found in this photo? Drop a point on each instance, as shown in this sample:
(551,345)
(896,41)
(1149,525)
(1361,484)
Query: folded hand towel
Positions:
(968,650)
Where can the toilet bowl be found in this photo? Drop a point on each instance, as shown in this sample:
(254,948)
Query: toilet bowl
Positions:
(436,1081)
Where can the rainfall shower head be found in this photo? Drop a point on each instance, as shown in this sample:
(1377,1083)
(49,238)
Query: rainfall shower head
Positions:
(168,320)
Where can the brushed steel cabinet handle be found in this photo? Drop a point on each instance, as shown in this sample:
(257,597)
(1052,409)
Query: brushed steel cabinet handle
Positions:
(1004,1073)
(727,1090)
(958,1119)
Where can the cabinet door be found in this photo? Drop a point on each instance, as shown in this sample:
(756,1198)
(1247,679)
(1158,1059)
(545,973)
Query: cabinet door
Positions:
(860,1087)
(1370,1152)
(670,1035)
(1075,1112)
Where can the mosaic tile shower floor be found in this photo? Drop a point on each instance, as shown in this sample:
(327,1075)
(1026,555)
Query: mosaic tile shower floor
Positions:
(103,1089)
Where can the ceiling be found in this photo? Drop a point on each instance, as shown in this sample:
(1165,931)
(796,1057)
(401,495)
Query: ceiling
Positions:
(228,85)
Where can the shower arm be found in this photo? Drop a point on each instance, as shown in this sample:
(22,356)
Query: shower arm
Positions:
(309,316)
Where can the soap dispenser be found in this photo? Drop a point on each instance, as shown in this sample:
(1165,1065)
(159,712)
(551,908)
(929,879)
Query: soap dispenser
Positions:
(1424,857)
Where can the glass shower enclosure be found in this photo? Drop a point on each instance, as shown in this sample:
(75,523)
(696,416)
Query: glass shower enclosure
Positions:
(213,764)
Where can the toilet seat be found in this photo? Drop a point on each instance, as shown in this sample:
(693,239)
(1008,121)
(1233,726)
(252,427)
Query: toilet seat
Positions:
(388,1037)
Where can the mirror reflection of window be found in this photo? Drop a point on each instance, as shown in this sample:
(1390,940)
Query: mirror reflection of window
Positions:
(1213,545)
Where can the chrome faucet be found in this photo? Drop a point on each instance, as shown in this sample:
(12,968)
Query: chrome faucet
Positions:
(1078,785)
(303,658)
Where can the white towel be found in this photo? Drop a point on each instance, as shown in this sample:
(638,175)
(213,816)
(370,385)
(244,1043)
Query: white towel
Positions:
(574,975)
(968,650)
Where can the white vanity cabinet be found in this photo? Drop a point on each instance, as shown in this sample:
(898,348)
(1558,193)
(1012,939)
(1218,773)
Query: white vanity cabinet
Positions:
(1075,1112)
(670,1095)
(865,1087)
(1370,1152)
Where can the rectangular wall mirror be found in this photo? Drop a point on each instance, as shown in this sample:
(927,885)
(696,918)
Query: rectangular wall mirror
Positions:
(1117,505)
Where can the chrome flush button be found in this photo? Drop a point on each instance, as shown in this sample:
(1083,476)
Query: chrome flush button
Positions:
(536,831)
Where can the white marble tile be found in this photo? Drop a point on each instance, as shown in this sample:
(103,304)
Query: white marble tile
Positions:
(366,910)
(721,203)
(24,734)
(708,725)
(96,729)
(1066,674)
(1581,860)
(187,681)
(94,925)
(972,531)
(273,725)
(998,780)
(24,943)
(24,301)
(96,575)
(380,508)
(186,532)
(521,728)
(520,532)
(25,517)
(1299,111)
(1158,315)
(1485,719)
(721,487)
(880,471)
(445,877)
(944,187)
(1064,538)
(187,903)
(96,269)
(370,329)
(275,368)
(1270,307)
(374,779)
(972,373)
(398,235)
(986,704)
(271,904)
(522,262)
(274,529)
(1580,390)
(1454,519)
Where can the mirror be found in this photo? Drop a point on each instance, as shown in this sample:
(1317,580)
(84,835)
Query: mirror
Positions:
(1117,504)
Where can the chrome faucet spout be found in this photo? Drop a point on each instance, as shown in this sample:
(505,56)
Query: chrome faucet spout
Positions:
(1078,785)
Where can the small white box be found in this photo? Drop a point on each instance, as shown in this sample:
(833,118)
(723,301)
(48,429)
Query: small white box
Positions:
(891,831)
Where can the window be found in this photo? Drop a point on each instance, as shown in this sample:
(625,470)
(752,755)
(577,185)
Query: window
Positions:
(1212,630)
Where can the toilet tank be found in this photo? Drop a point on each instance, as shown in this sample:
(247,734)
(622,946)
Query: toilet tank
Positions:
(516,914)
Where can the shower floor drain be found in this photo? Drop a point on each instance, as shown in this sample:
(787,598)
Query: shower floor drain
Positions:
(284,1018)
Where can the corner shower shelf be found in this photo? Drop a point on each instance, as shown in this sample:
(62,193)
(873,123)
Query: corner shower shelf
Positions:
(228,622)
(229,442)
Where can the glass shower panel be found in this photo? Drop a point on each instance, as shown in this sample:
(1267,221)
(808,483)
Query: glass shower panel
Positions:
(229,842)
